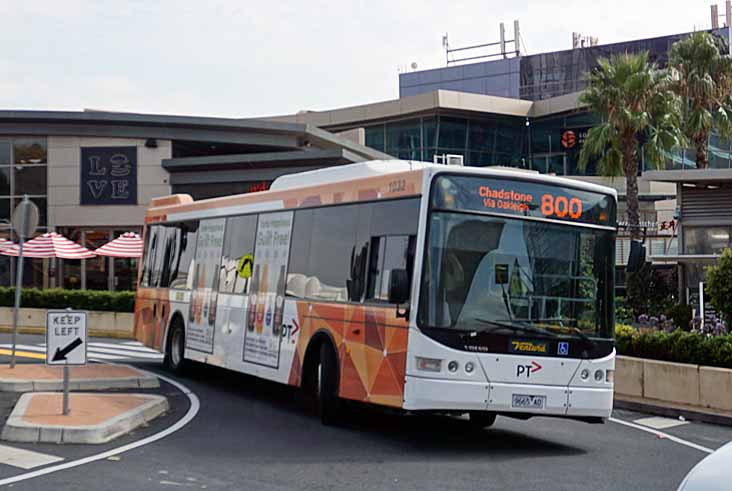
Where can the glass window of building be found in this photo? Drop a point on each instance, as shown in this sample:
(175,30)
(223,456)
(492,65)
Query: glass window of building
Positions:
(706,240)
(97,268)
(30,151)
(23,171)
(30,179)
(453,135)
(404,140)
(375,138)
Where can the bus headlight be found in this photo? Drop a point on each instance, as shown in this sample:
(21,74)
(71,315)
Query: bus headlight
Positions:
(453,366)
(429,364)
(585,374)
(599,375)
(469,367)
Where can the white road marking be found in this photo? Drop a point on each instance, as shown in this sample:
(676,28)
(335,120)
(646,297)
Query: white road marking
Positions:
(99,356)
(124,347)
(192,411)
(659,423)
(25,459)
(661,434)
(93,351)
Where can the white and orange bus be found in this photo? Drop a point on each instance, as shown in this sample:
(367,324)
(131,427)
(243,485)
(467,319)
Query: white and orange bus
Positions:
(416,286)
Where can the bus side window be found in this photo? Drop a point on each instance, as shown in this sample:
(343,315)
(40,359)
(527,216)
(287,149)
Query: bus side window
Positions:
(238,243)
(388,252)
(181,276)
(170,253)
(152,239)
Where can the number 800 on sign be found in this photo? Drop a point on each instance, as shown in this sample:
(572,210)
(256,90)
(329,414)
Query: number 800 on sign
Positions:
(561,206)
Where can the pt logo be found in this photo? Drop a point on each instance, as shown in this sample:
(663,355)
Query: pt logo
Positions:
(527,370)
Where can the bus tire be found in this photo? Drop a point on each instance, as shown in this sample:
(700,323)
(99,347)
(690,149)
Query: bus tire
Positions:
(482,419)
(174,359)
(326,379)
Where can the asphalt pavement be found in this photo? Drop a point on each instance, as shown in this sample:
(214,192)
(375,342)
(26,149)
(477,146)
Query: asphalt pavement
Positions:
(252,434)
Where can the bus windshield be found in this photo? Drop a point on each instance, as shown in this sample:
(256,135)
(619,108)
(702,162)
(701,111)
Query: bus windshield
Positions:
(482,271)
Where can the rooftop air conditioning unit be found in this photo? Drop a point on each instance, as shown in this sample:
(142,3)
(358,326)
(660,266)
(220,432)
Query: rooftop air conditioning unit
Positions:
(448,159)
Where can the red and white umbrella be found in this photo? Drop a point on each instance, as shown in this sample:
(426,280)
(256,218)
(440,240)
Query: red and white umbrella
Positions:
(129,244)
(5,243)
(51,244)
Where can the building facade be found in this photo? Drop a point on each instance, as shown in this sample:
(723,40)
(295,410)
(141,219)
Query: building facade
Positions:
(92,175)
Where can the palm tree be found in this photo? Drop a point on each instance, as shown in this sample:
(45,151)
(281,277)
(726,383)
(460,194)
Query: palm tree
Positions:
(638,113)
(703,79)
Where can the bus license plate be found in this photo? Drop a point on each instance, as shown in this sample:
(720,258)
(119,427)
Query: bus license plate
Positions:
(528,401)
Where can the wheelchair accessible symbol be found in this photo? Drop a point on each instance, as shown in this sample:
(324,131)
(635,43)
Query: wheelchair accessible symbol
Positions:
(563,348)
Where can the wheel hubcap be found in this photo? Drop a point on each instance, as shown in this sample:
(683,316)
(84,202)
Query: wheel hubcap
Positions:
(319,380)
(175,352)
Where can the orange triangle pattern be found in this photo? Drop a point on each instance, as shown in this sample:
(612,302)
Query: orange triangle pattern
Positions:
(372,347)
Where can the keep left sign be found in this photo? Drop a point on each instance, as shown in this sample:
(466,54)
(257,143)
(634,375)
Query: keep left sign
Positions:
(66,337)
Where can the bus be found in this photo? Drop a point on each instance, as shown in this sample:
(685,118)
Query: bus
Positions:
(417,286)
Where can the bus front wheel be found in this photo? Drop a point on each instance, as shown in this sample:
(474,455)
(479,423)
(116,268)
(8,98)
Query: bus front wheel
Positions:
(174,351)
(326,378)
(482,419)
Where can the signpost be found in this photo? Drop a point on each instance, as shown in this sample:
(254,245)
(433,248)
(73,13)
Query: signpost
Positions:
(25,222)
(66,343)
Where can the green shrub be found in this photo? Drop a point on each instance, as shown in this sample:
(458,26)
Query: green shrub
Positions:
(681,314)
(624,338)
(678,346)
(719,285)
(57,298)
(623,312)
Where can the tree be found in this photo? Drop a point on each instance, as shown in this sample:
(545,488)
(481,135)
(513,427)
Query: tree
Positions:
(702,76)
(719,285)
(638,112)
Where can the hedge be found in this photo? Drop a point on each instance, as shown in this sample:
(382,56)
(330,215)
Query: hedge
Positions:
(678,346)
(57,298)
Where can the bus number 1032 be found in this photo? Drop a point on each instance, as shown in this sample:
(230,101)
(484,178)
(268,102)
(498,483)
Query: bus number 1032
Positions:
(561,206)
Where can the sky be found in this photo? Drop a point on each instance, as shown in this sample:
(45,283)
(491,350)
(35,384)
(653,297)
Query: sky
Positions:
(249,58)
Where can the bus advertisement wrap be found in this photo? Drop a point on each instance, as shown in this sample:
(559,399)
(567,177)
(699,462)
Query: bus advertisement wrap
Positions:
(267,289)
(202,313)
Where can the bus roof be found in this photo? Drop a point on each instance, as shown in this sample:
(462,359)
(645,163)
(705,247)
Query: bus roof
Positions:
(374,180)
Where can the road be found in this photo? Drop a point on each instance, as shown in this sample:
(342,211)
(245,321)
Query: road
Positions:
(251,434)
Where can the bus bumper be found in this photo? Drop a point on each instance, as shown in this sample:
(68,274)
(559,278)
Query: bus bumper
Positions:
(451,395)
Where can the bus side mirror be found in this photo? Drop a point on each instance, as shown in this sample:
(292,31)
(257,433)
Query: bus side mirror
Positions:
(398,286)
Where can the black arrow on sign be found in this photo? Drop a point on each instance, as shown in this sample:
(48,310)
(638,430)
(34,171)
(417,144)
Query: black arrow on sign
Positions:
(61,353)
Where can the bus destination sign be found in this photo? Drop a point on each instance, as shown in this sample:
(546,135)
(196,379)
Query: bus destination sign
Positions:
(514,197)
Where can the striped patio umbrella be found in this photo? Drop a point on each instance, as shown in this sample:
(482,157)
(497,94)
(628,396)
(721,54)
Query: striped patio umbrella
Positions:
(50,244)
(129,244)
(5,243)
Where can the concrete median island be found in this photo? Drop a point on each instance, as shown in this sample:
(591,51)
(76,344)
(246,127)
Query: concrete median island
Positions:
(676,387)
(33,377)
(94,418)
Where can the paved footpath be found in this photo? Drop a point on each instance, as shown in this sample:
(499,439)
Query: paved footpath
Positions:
(251,434)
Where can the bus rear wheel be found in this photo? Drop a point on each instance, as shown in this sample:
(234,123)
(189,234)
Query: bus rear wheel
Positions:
(174,351)
(482,419)
(326,386)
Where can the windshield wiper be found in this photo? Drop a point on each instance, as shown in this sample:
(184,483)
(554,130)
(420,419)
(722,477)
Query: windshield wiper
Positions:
(514,327)
(583,336)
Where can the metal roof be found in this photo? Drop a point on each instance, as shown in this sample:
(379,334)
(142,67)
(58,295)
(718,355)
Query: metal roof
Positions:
(259,132)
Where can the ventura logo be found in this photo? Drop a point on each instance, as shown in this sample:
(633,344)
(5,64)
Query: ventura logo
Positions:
(528,347)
